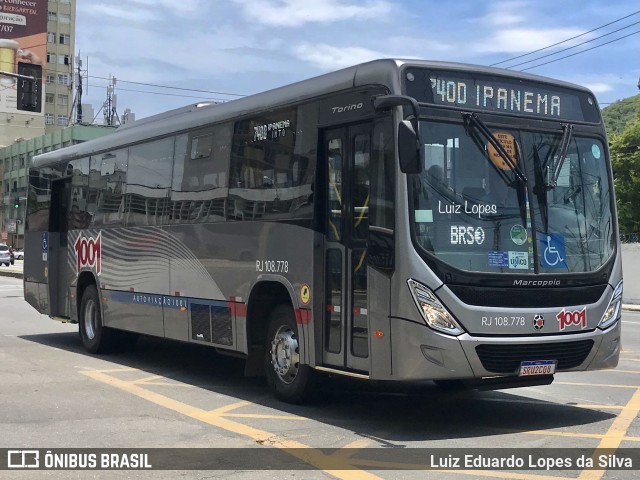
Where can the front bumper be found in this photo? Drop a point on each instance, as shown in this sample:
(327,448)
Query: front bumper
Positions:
(419,353)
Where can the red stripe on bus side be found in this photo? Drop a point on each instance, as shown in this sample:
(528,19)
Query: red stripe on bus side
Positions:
(237,309)
(303,317)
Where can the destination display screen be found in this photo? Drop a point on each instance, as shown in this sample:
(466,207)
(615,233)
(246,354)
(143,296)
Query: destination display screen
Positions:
(475,91)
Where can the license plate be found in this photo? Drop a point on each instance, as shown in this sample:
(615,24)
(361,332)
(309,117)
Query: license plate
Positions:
(537,367)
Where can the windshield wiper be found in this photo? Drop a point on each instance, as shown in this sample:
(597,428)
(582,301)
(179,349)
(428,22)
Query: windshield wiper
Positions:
(473,120)
(553,172)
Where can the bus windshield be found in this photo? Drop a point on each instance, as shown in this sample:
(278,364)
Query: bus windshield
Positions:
(473,210)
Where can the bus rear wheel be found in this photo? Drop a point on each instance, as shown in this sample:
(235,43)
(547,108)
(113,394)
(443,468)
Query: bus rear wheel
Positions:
(95,337)
(287,376)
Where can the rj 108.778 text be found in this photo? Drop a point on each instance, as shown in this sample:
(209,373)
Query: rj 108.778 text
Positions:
(272,266)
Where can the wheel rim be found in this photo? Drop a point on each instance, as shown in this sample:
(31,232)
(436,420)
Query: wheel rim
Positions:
(90,320)
(285,355)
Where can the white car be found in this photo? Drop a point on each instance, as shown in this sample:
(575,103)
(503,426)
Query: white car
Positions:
(5,256)
(18,254)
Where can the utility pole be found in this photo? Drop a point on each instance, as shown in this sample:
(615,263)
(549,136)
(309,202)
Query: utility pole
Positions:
(77,99)
(110,105)
(79,90)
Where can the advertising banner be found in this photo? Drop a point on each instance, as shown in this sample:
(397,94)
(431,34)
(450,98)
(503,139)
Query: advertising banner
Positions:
(23,50)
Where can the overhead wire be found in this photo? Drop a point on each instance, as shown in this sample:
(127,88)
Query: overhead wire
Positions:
(573,46)
(581,51)
(566,40)
(159,93)
(169,87)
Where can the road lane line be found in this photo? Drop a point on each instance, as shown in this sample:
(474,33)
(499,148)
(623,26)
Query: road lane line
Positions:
(333,465)
(596,384)
(267,417)
(330,464)
(616,433)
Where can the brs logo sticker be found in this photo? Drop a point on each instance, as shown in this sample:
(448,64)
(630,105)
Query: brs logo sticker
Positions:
(88,252)
(568,318)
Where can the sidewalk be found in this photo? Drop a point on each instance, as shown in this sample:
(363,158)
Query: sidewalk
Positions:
(14,270)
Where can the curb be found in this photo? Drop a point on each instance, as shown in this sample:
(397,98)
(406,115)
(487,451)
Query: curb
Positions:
(11,274)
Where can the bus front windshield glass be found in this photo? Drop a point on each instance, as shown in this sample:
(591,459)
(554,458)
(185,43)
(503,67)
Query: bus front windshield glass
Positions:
(530,212)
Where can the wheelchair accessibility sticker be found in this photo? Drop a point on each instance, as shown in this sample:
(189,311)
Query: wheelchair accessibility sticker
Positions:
(552,251)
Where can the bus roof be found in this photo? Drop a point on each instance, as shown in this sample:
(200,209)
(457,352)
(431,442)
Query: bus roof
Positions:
(381,72)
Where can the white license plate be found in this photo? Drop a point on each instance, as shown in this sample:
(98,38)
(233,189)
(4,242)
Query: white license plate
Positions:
(537,367)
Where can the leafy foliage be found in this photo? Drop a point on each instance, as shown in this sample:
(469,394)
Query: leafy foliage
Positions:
(625,157)
(619,115)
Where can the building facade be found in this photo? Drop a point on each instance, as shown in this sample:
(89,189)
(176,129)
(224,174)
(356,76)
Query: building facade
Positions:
(14,166)
(41,44)
(58,80)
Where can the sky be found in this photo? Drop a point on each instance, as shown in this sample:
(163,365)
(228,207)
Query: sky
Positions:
(221,49)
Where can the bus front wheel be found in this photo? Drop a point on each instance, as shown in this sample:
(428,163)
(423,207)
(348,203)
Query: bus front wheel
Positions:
(287,376)
(95,337)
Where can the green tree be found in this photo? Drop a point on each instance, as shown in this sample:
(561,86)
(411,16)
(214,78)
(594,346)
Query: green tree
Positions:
(625,157)
(619,115)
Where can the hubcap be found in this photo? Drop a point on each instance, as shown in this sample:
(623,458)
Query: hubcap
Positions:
(90,320)
(285,355)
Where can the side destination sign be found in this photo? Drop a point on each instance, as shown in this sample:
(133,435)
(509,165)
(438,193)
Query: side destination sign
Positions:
(475,91)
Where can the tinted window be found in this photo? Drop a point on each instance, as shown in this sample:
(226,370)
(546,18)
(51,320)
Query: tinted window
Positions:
(38,200)
(79,217)
(148,181)
(107,181)
(200,176)
(470,212)
(271,171)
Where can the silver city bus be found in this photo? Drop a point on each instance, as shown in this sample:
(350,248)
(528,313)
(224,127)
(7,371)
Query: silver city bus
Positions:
(396,220)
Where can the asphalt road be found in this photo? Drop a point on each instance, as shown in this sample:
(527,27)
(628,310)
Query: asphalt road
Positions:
(167,394)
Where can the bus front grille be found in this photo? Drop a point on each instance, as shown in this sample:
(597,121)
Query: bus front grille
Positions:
(506,358)
(529,297)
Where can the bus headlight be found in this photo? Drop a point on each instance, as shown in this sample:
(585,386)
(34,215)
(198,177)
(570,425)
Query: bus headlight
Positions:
(433,312)
(612,313)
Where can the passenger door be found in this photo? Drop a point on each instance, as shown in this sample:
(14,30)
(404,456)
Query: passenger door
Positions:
(346,154)
(59,274)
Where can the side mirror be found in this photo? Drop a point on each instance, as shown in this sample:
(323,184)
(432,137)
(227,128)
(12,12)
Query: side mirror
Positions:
(408,131)
(408,150)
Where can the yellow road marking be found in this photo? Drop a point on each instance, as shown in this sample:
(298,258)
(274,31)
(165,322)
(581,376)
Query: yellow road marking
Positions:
(339,464)
(230,407)
(616,433)
(474,473)
(601,407)
(259,415)
(150,381)
(556,433)
(350,449)
(595,385)
(112,370)
(147,379)
(331,464)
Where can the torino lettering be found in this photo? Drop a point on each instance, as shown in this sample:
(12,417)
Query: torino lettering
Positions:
(568,318)
(88,253)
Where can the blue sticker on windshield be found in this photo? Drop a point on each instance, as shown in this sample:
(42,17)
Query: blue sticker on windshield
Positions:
(595,151)
(552,250)
(498,259)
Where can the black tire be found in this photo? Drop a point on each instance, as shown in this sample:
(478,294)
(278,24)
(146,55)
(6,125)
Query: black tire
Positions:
(288,378)
(95,337)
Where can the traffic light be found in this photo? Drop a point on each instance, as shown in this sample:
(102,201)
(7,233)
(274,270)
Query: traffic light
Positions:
(16,202)
(29,91)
